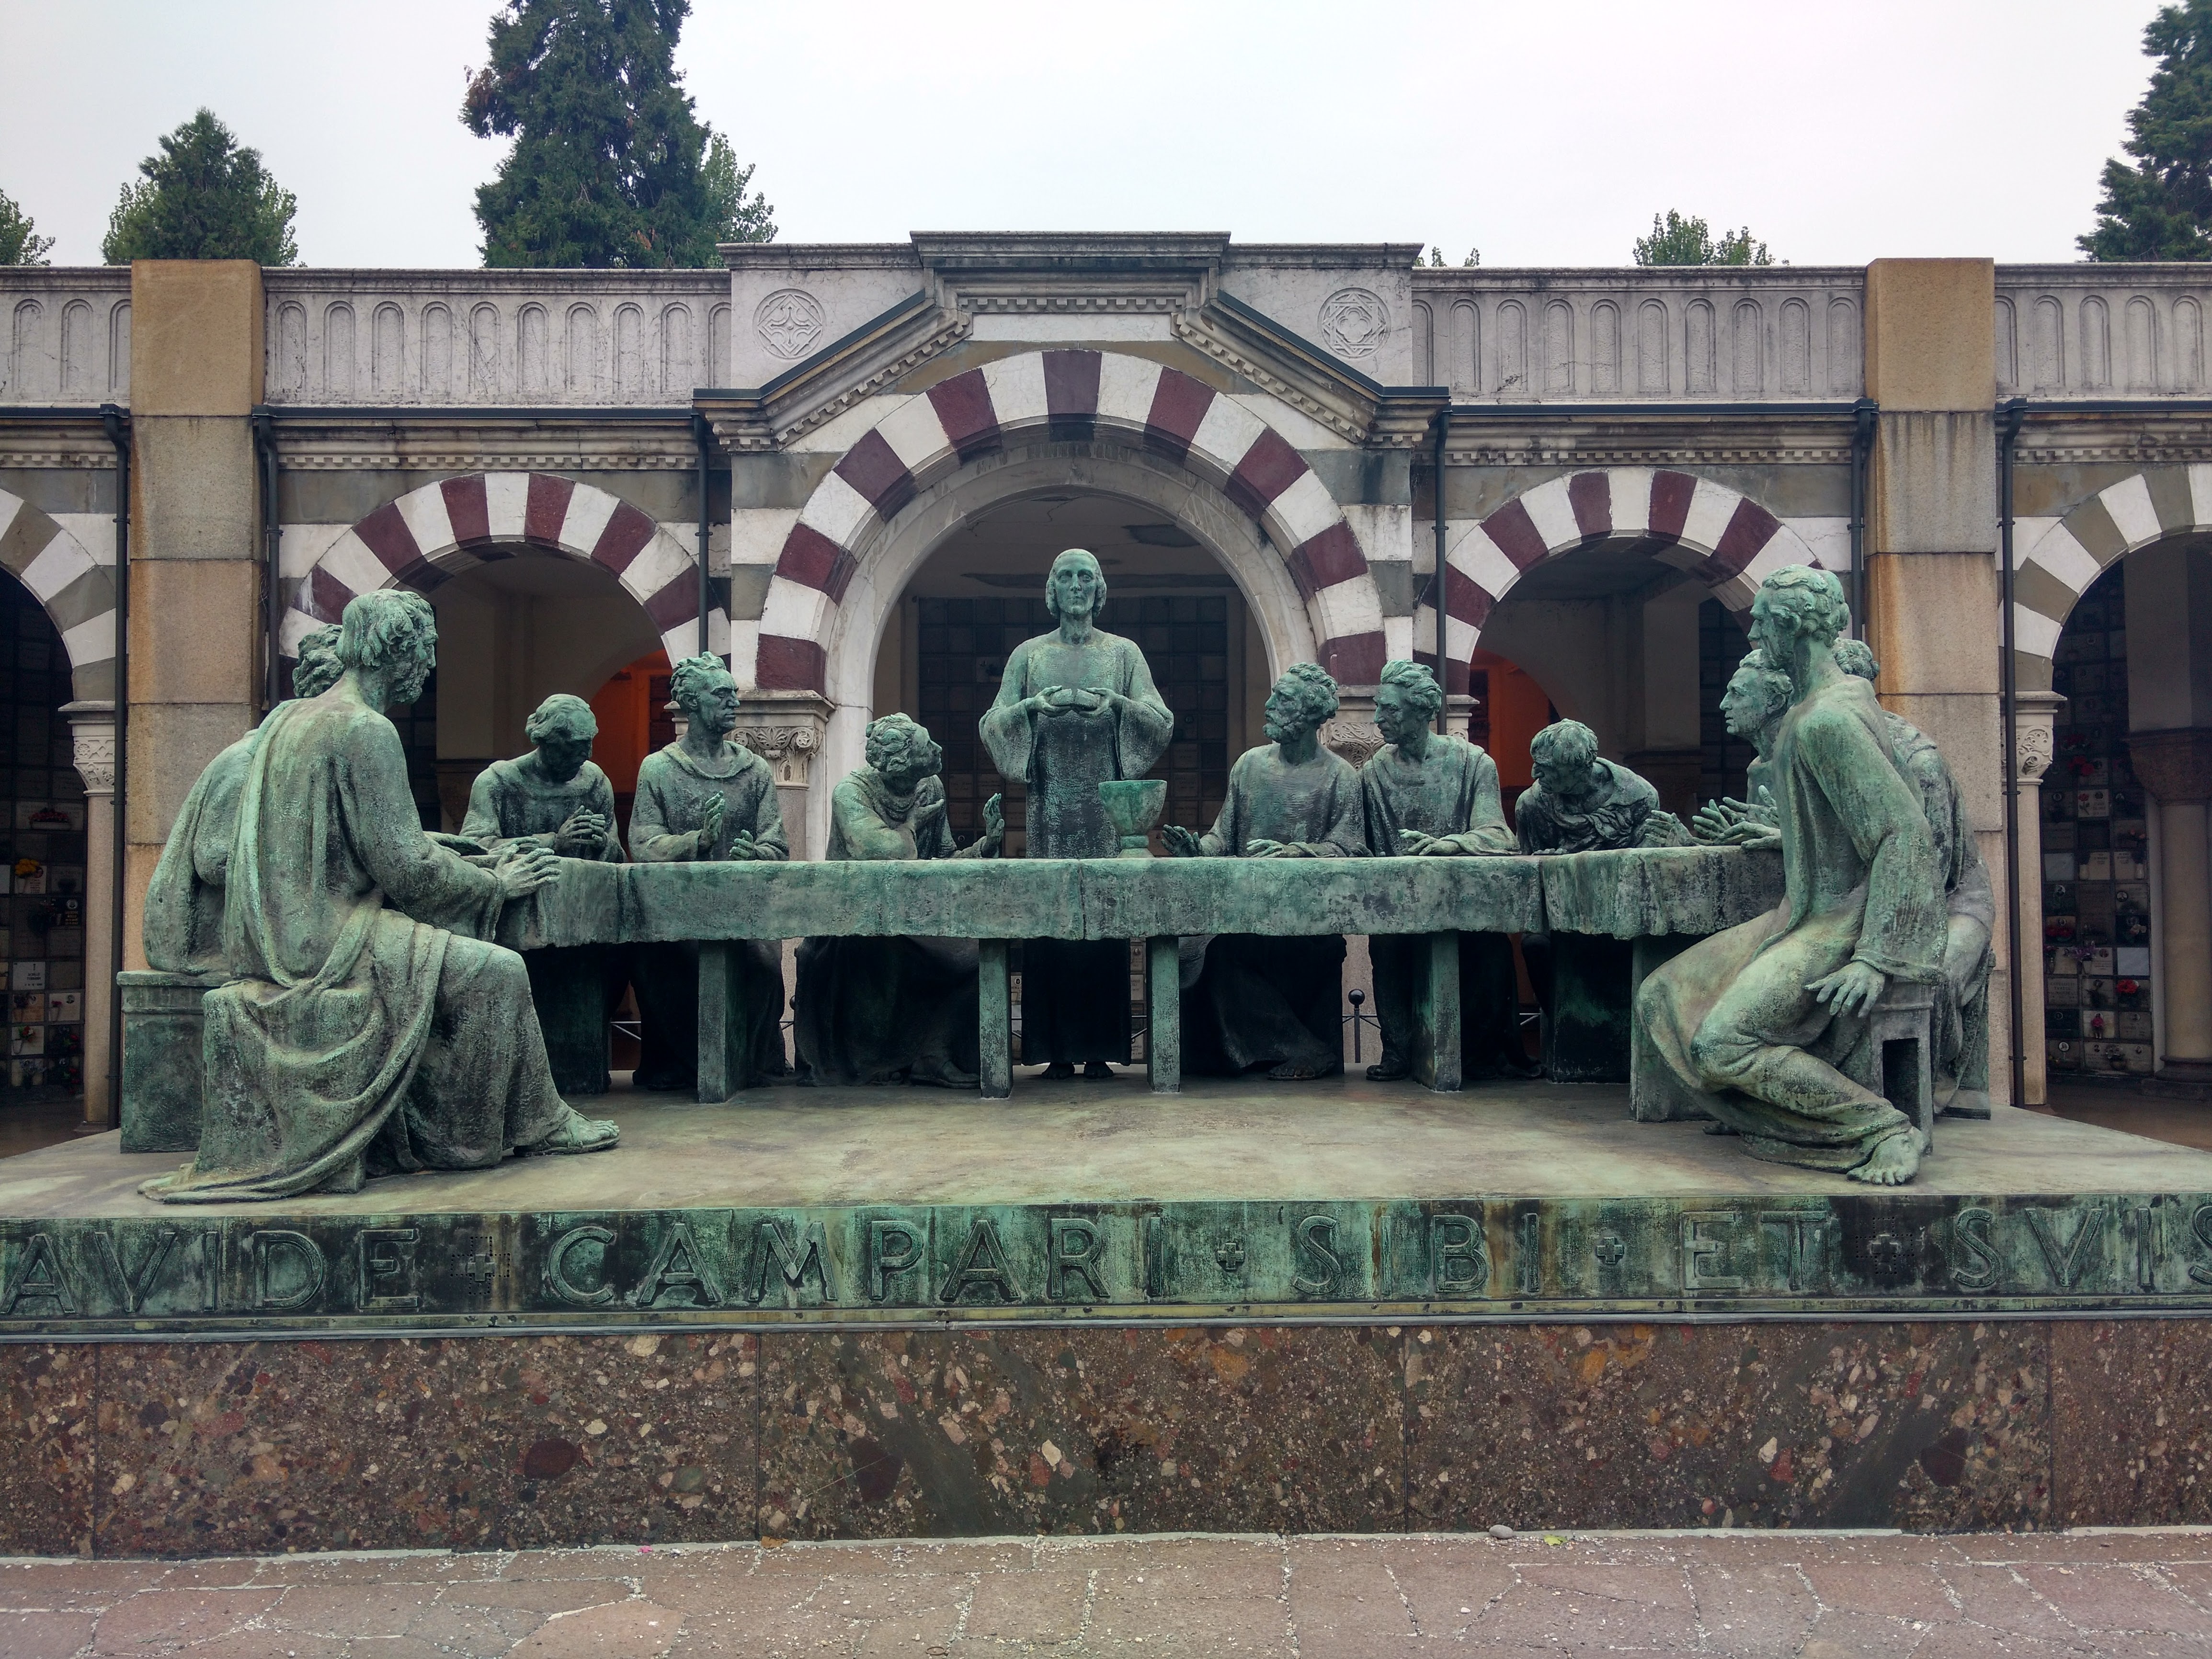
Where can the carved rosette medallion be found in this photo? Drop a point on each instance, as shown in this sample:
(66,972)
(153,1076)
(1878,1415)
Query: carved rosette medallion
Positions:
(788,322)
(1354,321)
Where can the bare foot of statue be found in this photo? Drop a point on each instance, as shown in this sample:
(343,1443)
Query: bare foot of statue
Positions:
(1058,1072)
(1894,1162)
(575,1134)
(1388,1070)
(1294,1071)
(1097,1071)
(941,1076)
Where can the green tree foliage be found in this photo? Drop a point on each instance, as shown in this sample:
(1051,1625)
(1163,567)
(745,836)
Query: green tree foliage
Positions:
(610,166)
(1437,257)
(2162,207)
(1675,240)
(205,197)
(19,245)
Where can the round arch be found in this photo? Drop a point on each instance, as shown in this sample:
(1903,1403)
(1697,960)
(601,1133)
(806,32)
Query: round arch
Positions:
(1722,537)
(75,590)
(1124,473)
(2058,566)
(1067,398)
(443,529)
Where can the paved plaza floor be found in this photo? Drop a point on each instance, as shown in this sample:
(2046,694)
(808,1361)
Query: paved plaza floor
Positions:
(1820,1596)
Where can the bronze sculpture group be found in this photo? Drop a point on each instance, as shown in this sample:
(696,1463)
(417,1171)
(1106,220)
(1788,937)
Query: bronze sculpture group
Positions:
(367,1024)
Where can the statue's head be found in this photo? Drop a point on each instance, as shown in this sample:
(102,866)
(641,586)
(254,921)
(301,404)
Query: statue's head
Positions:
(703,688)
(901,752)
(1301,699)
(1797,603)
(1564,756)
(1757,696)
(562,728)
(393,632)
(1076,586)
(1407,700)
(1855,657)
(317,669)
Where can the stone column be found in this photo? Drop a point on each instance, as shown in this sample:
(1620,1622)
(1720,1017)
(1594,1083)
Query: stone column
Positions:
(787,729)
(2033,714)
(196,626)
(1932,609)
(2175,769)
(93,726)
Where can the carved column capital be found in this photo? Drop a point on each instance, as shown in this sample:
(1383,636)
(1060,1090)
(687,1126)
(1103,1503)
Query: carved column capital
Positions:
(91,728)
(784,728)
(2173,766)
(2033,712)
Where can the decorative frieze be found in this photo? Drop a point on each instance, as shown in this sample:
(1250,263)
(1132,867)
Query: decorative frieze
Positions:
(67,336)
(2101,330)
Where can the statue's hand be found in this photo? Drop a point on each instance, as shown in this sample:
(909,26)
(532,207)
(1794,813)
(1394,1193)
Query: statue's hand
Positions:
(742,848)
(526,872)
(1853,988)
(710,824)
(582,835)
(1049,700)
(1261,847)
(994,819)
(1181,843)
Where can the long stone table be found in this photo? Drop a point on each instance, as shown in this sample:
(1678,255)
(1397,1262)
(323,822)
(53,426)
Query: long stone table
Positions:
(1674,891)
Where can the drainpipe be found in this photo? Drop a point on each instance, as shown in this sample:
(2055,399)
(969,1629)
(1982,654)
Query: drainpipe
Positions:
(702,437)
(2010,413)
(272,620)
(1444,431)
(115,421)
(1863,430)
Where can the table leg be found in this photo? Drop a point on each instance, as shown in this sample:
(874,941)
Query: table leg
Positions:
(1436,1017)
(719,1035)
(994,1019)
(1163,1014)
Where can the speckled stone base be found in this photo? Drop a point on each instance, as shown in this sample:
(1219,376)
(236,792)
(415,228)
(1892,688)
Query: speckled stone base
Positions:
(193,1449)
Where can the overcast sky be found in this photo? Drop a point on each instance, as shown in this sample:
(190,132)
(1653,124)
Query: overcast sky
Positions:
(1544,131)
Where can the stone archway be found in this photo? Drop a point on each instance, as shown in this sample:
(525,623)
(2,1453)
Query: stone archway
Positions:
(1066,398)
(74,589)
(2058,566)
(1722,537)
(450,526)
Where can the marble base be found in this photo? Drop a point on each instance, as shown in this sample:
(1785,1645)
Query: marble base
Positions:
(510,1442)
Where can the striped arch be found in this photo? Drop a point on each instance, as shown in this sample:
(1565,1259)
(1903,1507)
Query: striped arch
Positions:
(2147,507)
(1724,539)
(76,591)
(1067,395)
(446,528)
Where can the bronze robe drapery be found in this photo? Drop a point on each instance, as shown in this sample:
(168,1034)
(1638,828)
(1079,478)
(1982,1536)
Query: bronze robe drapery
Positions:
(513,803)
(888,1010)
(183,927)
(673,786)
(1961,1060)
(1451,793)
(1252,1000)
(1731,1016)
(369,1028)
(1075,993)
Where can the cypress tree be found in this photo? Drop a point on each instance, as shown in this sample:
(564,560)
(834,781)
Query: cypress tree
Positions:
(205,197)
(611,166)
(2160,208)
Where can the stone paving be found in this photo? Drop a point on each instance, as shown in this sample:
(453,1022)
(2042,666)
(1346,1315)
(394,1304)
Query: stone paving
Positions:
(1813,1595)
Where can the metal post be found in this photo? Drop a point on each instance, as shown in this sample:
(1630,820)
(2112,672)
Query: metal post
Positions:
(2010,414)
(1862,430)
(115,420)
(1444,708)
(702,437)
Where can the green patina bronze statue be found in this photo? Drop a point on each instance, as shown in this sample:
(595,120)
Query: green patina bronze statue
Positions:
(1961,1059)
(1579,802)
(703,798)
(554,798)
(1076,708)
(369,1027)
(892,1010)
(1275,1002)
(1755,1019)
(1433,795)
(1752,707)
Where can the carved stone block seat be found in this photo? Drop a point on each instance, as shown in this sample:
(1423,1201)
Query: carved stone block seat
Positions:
(1897,1060)
(162,1028)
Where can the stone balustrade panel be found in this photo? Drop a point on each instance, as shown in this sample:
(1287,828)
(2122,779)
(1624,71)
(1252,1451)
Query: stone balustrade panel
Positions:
(67,336)
(2094,331)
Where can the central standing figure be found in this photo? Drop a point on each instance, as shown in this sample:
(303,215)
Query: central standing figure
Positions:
(1076,708)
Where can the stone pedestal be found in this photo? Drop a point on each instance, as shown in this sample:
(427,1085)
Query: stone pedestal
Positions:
(2175,768)
(92,726)
(162,1025)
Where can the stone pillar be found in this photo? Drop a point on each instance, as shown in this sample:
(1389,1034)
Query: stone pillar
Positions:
(2033,714)
(196,627)
(1932,607)
(2175,769)
(787,729)
(93,726)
